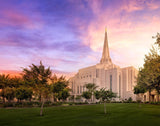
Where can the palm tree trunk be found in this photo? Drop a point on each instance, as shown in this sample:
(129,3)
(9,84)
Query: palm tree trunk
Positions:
(41,112)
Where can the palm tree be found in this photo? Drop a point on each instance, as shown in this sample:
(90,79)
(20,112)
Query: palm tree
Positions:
(4,81)
(106,95)
(91,88)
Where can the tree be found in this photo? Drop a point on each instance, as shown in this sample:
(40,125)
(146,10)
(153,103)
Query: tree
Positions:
(38,77)
(105,95)
(87,95)
(157,37)
(9,93)
(71,98)
(60,88)
(149,74)
(23,92)
(64,94)
(78,97)
(97,94)
(4,81)
(91,88)
(139,90)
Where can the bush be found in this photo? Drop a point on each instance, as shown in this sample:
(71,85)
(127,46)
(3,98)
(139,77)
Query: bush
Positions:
(7,104)
(155,103)
(81,103)
(139,101)
(48,103)
(129,100)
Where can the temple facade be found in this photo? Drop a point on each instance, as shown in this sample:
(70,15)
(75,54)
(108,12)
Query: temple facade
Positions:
(107,75)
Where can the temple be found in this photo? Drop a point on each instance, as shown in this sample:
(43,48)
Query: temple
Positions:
(106,75)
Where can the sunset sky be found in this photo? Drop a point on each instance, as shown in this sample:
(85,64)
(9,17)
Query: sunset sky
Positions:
(68,34)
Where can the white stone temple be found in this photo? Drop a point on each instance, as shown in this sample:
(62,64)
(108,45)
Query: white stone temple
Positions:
(106,75)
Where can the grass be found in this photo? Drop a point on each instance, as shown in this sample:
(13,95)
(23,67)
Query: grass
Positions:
(118,114)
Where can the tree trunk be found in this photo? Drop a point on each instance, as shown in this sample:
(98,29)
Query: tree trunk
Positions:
(40,98)
(92,99)
(104,107)
(41,112)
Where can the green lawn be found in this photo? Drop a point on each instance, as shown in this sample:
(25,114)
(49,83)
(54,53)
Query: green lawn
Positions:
(86,115)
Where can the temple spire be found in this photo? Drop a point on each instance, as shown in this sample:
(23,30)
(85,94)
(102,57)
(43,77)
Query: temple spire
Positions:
(105,55)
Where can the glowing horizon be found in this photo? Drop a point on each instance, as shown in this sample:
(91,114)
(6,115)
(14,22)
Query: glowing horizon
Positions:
(68,35)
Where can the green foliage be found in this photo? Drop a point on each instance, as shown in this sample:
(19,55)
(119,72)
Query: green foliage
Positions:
(9,93)
(7,86)
(107,95)
(59,86)
(139,89)
(157,37)
(129,100)
(149,76)
(78,97)
(64,94)
(97,94)
(35,79)
(4,81)
(22,93)
(104,95)
(37,76)
(87,94)
(91,87)
(71,97)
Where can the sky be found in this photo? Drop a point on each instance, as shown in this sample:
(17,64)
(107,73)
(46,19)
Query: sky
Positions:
(69,34)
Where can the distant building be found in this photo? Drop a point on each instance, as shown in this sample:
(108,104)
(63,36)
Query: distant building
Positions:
(106,75)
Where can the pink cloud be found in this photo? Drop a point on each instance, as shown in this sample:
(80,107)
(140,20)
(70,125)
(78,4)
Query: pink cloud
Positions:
(16,18)
(153,4)
(129,39)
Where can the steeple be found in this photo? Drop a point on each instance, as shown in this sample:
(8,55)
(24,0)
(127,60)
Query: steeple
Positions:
(105,55)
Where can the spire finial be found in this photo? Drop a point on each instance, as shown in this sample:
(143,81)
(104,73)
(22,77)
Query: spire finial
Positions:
(105,29)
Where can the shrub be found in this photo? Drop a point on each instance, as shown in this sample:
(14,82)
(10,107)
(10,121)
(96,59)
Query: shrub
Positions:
(7,104)
(129,100)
